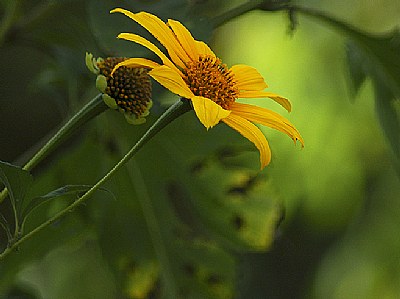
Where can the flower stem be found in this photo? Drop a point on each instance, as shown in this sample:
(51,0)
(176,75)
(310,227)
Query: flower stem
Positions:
(89,111)
(177,109)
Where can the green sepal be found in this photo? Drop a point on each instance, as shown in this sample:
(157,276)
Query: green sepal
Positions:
(133,119)
(101,83)
(91,63)
(109,101)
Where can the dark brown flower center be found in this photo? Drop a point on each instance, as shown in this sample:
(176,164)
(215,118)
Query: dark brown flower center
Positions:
(211,79)
(129,87)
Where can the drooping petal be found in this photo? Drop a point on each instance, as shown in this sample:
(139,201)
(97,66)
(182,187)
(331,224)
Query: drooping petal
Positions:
(268,118)
(248,78)
(263,94)
(161,32)
(252,133)
(185,38)
(170,79)
(208,112)
(136,62)
(149,45)
(204,49)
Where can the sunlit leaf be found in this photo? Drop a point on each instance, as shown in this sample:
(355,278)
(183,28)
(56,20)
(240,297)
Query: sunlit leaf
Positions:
(236,205)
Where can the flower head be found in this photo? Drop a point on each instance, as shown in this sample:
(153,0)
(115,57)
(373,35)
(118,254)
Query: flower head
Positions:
(128,90)
(194,72)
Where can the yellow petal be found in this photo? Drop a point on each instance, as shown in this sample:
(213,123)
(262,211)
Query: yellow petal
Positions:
(185,38)
(204,49)
(170,79)
(263,94)
(144,42)
(136,62)
(161,32)
(268,118)
(252,133)
(248,78)
(208,112)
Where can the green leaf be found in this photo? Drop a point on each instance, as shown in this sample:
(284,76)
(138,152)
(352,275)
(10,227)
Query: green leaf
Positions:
(203,269)
(192,211)
(236,205)
(17,181)
(62,191)
(192,265)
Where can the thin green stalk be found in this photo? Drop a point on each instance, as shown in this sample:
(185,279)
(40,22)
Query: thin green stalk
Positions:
(177,109)
(89,111)
(345,28)
(235,12)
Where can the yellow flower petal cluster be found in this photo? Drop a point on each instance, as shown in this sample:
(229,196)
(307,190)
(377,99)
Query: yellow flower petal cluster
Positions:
(192,71)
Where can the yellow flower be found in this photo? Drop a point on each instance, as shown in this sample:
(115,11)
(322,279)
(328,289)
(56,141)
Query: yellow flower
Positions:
(193,71)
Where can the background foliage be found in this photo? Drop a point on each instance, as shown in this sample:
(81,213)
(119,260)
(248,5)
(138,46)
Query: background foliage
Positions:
(191,216)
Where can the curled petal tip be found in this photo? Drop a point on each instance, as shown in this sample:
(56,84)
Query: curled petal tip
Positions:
(115,10)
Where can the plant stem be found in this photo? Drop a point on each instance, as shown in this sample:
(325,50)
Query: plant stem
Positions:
(345,28)
(177,109)
(235,12)
(89,111)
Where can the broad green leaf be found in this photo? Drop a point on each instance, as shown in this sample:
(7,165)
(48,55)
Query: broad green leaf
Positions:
(244,213)
(203,269)
(124,240)
(236,205)
(191,265)
(17,181)
(221,190)
(189,225)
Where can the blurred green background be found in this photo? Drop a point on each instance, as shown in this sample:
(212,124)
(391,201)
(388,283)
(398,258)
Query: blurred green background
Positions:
(216,232)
